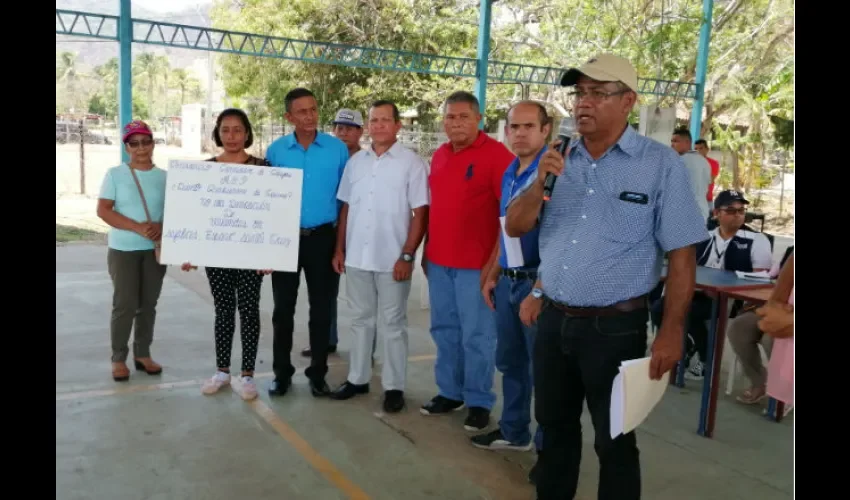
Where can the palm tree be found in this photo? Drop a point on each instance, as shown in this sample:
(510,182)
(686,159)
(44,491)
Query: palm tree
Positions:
(151,67)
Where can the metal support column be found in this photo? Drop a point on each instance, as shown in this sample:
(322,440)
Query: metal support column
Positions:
(125,71)
(702,68)
(483,57)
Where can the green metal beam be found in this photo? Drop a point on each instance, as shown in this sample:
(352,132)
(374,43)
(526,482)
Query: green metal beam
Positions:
(702,68)
(484,13)
(70,22)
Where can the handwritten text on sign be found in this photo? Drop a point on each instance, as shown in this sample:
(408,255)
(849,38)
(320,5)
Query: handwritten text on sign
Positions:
(231,215)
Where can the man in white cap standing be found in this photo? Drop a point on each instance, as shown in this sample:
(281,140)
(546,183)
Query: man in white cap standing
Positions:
(620,202)
(348,127)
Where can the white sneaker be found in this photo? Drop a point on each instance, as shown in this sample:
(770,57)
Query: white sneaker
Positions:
(219,380)
(249,388)
(696,372)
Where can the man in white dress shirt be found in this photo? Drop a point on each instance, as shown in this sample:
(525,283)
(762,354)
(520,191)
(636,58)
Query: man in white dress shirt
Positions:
(384,191)
(699,170)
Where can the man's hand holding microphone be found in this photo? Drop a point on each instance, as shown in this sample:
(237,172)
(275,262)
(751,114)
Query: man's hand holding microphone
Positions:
(552,162)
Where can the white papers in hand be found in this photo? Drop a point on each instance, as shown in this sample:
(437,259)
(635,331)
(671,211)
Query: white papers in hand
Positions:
(513,248)
(634,395)
(759,276)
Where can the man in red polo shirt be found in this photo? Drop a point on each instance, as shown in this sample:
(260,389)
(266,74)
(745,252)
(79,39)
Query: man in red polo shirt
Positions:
(702,147)
(466,184)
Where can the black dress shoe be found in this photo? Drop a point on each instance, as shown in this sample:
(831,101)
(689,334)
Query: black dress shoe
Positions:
(279,386)
(393,401)
(319,388)
(349,390)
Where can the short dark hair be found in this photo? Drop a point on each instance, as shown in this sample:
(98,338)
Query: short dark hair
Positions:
(683,132)
(701,141)
(245,123)
(463,96)
(296,94)
(387,102)
(541,109)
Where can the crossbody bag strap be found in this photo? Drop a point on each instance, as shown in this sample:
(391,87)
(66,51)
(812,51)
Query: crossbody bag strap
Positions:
(141,193)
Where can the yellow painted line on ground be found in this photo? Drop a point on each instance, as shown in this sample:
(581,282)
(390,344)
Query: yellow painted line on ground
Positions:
(129,389)
(317,461)
(69,396)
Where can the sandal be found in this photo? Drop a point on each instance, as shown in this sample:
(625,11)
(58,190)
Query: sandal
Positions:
(752,395)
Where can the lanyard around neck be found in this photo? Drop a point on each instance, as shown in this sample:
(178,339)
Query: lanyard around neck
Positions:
(718,253)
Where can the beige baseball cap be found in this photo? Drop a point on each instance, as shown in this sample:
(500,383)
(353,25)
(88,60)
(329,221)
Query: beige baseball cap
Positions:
(604,68)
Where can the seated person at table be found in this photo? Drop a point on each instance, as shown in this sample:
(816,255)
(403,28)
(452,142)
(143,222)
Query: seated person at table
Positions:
(745,336)
(728,247)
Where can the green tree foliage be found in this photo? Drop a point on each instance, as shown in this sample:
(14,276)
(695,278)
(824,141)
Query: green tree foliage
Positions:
(430,27)
(158,90)
(749,90)
(750,40)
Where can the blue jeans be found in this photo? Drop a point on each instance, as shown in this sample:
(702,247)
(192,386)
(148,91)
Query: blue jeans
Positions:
(464,330)
(514,353)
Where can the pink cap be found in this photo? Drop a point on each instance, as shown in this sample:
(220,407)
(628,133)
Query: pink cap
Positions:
(135,127)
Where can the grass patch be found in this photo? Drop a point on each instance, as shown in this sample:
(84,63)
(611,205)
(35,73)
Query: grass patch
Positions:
(65,234)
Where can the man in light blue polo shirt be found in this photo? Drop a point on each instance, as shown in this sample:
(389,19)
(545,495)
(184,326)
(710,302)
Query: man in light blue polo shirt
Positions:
(509,283)
(322,157)
(621,201)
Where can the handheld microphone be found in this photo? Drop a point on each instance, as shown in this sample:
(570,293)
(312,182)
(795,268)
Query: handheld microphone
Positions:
(566,130)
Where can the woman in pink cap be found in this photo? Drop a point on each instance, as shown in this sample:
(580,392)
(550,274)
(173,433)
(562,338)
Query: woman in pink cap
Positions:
(132,201)
(234,289)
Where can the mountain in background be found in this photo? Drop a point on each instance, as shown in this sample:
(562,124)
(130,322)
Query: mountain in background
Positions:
(93,52)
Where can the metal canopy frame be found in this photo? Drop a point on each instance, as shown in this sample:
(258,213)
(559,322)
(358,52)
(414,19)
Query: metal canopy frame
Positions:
(126,30)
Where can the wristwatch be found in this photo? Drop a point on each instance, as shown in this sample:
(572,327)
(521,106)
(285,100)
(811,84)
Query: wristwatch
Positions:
(407,257)
(537,293)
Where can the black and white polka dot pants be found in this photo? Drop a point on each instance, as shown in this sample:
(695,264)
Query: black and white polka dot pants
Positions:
(231,288)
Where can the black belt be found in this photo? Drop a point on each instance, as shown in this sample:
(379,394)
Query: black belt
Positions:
(307,231)
(622,307)
(518,274)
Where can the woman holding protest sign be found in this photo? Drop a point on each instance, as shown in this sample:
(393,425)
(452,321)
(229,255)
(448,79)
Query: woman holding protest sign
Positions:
(132,202)
(234,288)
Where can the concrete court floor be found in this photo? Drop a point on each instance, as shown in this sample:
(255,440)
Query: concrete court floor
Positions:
(159,438)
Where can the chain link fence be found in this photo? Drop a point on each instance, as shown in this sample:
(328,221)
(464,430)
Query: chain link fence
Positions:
(83,154)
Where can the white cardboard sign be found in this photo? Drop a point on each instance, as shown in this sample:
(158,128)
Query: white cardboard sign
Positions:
(232,215)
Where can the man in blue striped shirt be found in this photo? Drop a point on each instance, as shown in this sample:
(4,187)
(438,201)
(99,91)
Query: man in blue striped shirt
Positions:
(620,202)
(509,283)
(322,157)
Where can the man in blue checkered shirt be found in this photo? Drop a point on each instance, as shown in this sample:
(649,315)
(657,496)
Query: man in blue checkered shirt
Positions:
(621,202)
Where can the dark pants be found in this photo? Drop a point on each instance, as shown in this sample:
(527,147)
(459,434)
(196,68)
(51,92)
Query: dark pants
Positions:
(334,338)
(232,289)
(577,358)
(698,315)
(137,282)
(315,253)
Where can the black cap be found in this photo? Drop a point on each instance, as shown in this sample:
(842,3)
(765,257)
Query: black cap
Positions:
(729,196)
